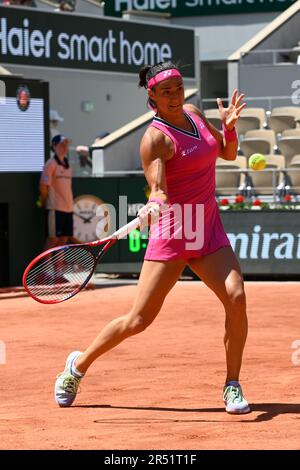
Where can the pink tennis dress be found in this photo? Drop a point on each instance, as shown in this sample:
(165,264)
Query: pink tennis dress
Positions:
(191,227)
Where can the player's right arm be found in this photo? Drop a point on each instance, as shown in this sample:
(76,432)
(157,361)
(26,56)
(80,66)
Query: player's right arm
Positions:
(45,182)
(155,150)
(44,191)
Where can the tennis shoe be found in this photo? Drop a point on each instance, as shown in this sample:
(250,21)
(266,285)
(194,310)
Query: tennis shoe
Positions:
(234,400)
(67,383)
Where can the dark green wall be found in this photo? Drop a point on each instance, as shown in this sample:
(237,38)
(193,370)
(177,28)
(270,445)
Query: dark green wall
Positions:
(25,221)
(26,230)
(27,225)
(109,190)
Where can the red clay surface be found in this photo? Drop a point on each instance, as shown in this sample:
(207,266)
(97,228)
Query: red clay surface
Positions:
(158,390)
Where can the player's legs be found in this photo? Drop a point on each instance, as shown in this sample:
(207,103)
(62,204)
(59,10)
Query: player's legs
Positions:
(62,241)
(60,228)
(156,280)
(64,227)
(52,239)
(220,271)
(51,242)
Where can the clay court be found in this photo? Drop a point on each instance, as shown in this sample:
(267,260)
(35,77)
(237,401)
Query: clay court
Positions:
(160,389)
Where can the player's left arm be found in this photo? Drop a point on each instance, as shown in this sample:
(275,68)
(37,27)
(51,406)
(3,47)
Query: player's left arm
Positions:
(229,116)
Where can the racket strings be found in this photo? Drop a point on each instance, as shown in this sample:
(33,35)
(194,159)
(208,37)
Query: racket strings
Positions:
(44,274)
(59,275)
(49,263)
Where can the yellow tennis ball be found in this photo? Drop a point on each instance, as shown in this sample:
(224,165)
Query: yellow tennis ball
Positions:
(257,161)
(38,202)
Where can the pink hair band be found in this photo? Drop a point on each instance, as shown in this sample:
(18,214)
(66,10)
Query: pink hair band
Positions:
(161,76)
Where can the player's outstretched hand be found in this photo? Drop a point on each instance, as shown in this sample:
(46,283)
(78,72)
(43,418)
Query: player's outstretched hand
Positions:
(230,115)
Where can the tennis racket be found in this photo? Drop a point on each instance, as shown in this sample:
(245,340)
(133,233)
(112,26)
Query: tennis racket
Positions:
(61,272)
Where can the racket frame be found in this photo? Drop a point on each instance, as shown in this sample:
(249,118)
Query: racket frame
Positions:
(105,242)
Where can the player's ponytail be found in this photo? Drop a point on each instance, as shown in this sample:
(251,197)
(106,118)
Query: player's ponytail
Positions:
(143,76)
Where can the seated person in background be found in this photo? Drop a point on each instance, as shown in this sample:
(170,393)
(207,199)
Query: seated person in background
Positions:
(67,5)
(84,150)
(23,3)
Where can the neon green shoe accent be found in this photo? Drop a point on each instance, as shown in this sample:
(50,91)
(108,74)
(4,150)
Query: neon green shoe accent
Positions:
(234,400)
(67,383)
(70,384)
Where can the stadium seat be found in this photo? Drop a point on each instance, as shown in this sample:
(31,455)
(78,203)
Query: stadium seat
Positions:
(259,140)
(291,133)
(228,182)
(213,116)
(290,146)
(295,54)
(294,175)
(283,118)
(251,118)
(266,182)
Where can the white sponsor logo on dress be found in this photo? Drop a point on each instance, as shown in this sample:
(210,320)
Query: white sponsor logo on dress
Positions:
(187,152)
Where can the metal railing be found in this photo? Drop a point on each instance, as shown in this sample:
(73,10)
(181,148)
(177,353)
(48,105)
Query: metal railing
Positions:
(281,185)
(284,100)
(271,56)
(82,168)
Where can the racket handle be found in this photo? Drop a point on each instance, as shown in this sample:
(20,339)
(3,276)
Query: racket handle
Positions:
(123,231)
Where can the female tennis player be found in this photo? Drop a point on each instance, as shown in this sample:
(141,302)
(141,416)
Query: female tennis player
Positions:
(178,153)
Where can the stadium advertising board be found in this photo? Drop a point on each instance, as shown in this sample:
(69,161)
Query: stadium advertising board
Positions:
(266,243)
(195,7)
(37,38)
